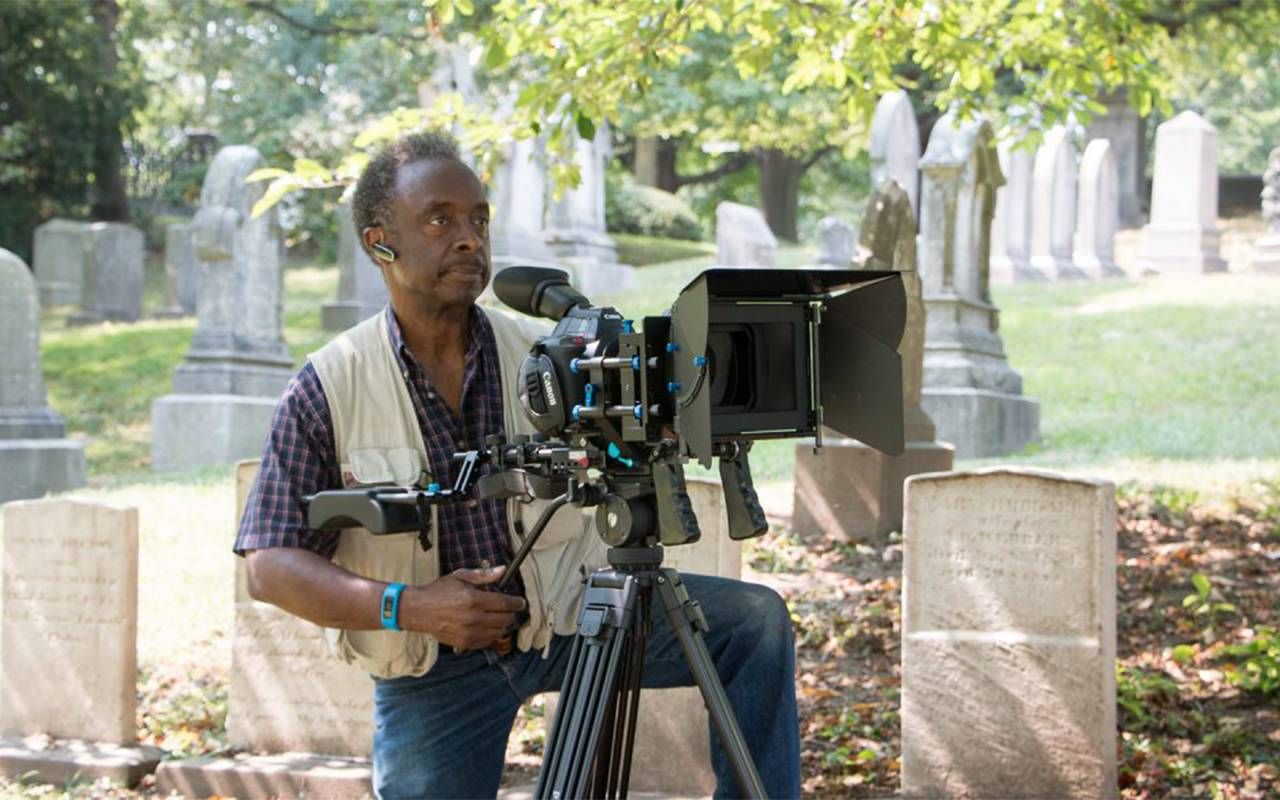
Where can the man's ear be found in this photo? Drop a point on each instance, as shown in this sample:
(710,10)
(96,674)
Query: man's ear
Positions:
(372,237)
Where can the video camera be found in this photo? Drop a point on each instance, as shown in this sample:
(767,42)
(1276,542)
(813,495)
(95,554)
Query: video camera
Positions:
(742,355)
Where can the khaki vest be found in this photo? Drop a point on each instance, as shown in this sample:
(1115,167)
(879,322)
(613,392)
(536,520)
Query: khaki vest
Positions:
(378,441)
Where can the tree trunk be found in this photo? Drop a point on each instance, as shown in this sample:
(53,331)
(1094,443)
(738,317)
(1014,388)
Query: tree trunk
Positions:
(779,190)
(110,202)
(656,163)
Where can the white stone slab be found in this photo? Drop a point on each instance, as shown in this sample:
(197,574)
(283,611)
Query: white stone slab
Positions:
(59,254)
(69,623)
(288,692)
(1053,204)
(1183,234)
(1011,226)
(1099,212)
(1008,660)
(743,238)
(895,145)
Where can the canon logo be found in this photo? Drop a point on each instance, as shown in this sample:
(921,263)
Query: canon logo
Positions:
(551,392)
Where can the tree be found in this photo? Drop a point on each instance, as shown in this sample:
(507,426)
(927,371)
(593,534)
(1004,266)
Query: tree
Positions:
(67,91)
(813,70)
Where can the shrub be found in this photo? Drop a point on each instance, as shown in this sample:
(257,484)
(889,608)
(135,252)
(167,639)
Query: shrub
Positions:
(630,208)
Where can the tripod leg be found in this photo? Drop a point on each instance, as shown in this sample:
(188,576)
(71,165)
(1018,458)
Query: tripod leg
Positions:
(687,622)
(590,685)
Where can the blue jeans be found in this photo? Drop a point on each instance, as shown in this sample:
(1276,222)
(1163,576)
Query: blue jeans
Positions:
(445,734)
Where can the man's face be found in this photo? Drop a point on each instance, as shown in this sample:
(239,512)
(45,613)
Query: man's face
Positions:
(440,232)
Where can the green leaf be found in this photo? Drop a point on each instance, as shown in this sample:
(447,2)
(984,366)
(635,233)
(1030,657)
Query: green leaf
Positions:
(266,174)
(308,169)
(586,128)
(1183,653)
(1201,583)
(465,7)
(866,756)
(275,192)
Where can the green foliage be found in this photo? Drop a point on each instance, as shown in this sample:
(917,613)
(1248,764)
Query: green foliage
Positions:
(643,250)
(57,102)
(1259,669)
(632,208)
(1206,605)
(1143,696)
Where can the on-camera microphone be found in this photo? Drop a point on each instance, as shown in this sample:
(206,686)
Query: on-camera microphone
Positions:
(537,291)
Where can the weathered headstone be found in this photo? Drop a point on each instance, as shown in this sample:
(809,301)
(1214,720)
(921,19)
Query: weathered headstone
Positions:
(290,698)
(1011,226)
(576,230)
(35,455)
(1126,131)
(743,238)
(1266,250)
(226,389)
(1183,234)
(68,640)
(837,241)
(180,268)
(362,290)
(519,196)
(59,253)
(1009,636)
(112,286)
(895,145)
(1053,207)
(848,490)
(970,391)
(1098,213)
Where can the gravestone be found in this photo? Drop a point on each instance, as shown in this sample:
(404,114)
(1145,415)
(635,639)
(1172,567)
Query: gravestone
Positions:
(743,238)
(35,455)
(1126,131)
(1183,234)
(112,286)
(225,391)
(113,274)
(672,753)
(59,253)
(362,291)
(180,268)
(1099,213)
(895,145)
(311,714)
(970,391)
(849,491)
(836,242)
(1009,636)
(576,230)
(68,641)
(1053,207)
(1011,226)
(519,194)
(1266,250)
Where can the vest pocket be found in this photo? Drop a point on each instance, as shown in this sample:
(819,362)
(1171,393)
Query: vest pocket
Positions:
(402,466)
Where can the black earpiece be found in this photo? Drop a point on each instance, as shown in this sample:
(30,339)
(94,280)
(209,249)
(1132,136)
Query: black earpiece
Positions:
(383,252)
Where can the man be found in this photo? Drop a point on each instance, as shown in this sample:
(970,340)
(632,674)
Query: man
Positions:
(390,401)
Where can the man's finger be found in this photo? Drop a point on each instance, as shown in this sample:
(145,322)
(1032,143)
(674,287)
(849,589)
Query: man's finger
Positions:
(479,577)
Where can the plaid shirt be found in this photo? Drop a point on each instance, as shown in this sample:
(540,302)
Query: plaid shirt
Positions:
(300,458)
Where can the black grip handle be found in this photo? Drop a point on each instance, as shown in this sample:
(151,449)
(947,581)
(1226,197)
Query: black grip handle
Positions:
(677,524)
(746,516)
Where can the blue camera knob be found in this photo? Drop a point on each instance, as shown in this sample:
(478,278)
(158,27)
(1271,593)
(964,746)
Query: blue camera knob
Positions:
(672,347)
(699,361)
(673,387)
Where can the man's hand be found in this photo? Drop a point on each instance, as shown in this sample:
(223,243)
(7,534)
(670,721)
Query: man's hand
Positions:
(457,611)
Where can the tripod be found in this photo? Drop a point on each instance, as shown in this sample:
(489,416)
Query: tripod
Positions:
(593,734)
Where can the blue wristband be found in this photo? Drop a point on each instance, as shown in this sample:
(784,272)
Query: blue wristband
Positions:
(391,606)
